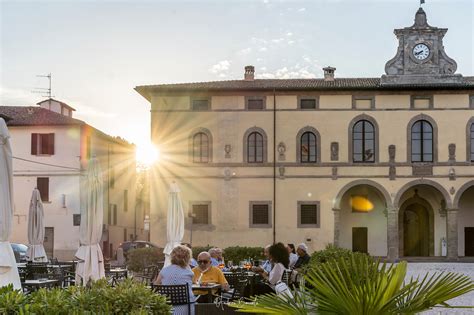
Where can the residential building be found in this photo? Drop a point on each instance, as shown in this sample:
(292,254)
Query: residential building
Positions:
(51,150)
(380,165)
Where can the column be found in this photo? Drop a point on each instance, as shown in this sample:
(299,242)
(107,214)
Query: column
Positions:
(337,225)
(452,233)
(392,234)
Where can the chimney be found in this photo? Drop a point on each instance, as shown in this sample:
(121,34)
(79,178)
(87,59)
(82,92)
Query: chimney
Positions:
(249,73)
(329,73)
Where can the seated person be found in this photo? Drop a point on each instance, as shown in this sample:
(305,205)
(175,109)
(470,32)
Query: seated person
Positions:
(293,256)
(266,265)
(303,257)
(192,262)
(206,273)
(216,257)
(280,259)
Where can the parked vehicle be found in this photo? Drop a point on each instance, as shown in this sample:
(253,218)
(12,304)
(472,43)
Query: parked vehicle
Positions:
(20,251)
(127,246)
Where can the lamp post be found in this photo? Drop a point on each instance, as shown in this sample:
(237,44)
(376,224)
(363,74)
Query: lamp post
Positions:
(146,226)
(191,216)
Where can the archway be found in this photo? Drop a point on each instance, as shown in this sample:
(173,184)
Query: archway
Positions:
(464,201)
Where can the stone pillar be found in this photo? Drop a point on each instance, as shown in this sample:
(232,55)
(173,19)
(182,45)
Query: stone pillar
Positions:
(392,234)
(452,233)
(337,225)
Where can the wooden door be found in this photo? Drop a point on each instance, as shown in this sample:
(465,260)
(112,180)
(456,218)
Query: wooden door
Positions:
(359,239)
(469,241)
(49,241)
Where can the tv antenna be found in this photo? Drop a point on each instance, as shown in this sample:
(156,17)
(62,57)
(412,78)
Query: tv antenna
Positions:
(44,91)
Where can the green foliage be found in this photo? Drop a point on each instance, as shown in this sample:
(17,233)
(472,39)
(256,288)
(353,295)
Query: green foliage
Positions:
(199,249)
(359,285)
(332,252)
(128,297)
(238,253)
(140,258)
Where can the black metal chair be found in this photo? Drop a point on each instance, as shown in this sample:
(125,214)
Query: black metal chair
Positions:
(176,294)
(33,269)
(286,277)
(236,292)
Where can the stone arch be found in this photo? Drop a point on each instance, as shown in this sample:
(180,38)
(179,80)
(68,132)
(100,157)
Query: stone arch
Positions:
(468,139)
(298,143)
(376,135)
(383,192)
(265,143)
(191,139)
(435,135)
(460,192)
(407,186)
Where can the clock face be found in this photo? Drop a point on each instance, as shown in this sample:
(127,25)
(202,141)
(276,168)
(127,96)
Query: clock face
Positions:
(421,52)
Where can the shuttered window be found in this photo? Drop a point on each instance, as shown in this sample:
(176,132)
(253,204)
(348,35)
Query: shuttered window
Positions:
(42,183)
(201,214)
(308,214)
(200,104)
(42,144)
(308,104)
(255,104)
(260,214)
(76,219)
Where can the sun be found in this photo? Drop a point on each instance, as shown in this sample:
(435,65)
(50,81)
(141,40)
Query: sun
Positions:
(147,154)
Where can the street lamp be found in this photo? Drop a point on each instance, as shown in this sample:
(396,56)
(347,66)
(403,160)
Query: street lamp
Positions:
(192,216)
(146,225)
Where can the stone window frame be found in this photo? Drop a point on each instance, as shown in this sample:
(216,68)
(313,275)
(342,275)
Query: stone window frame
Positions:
(198,98)
(468,140)
(298,144)
(270,217)
(209,213)
(376,140)
(370,98)
(414,97)
(471,101)
(191,144)
(318,214)
(262,97)
(308,97)
(245,144)
(435,137)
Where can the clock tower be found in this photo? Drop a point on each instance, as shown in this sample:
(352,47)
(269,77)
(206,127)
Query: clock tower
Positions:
(420,57)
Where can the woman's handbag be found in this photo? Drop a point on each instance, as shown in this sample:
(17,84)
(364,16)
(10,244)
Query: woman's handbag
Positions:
(282,289)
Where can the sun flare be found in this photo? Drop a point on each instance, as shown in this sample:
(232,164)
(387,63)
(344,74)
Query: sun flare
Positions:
(147,154)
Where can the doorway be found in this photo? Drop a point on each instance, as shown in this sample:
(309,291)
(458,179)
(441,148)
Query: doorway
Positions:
(469,241)
(359,239)
(49,241)
(416,222)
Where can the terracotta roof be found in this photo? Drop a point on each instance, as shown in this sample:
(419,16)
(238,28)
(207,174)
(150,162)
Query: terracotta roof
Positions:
(35,116)
(296,84)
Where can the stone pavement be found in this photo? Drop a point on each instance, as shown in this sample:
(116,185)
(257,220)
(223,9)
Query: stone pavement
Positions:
(419,269)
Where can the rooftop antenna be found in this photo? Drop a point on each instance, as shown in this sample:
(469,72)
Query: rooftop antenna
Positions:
(44,91)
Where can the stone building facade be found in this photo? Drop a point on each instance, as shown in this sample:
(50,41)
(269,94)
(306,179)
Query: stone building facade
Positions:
(382,165)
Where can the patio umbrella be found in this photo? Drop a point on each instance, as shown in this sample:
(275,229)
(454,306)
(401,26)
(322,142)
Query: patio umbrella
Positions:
(91,261)
(35,250)
(175,222)
(8,269)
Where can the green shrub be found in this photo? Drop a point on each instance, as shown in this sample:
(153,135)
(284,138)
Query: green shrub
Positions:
(238,253)
(332,252)
(128,297)
(140,258)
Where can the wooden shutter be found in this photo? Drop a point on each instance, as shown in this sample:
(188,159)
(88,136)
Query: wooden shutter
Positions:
(51,144)
(34,144)
(42,183)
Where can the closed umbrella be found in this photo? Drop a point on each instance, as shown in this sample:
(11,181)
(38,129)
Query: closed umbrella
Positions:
(91,261)
(8,269)
(175,222)
(35,250)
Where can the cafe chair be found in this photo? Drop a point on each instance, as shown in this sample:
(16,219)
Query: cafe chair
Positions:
(176,294)
(236,292)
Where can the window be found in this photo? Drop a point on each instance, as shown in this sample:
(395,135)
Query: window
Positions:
(200,104)
(255,102)
(125,200)
(200,148)
(308,148)
(260,214)
(471,101)
(255,148)
(42,183)
(363,142)
(422,142)
(308,102)
(471,138)
(200,213)
(76,219)
(42,144)
(363,102)
(308,214)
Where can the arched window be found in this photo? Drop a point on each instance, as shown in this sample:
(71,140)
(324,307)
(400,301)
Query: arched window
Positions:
(422,142)
(363,142)
(308,148)
(200,148)
(471,140)
(255,148)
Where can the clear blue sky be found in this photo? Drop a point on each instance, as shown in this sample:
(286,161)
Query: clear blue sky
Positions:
(98,51)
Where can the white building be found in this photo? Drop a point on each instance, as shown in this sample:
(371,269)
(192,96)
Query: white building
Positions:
(50,151)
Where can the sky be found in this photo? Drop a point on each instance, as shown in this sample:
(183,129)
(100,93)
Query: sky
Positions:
(98,51)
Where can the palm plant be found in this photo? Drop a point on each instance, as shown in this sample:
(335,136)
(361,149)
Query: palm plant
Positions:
(362,285)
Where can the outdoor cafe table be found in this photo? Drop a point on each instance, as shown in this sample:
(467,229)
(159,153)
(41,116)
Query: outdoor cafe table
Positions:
(34,285)
(206,287)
